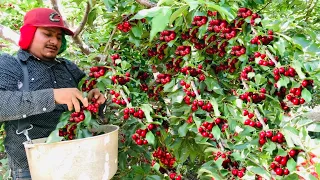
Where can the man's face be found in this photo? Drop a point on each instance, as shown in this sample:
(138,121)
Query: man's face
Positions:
(46,43)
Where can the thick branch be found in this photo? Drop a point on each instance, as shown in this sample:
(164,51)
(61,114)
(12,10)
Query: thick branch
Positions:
(76,39)
(84,20)
(9,35)
(147,3)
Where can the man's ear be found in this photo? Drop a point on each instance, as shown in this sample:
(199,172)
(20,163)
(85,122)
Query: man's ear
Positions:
(63,44)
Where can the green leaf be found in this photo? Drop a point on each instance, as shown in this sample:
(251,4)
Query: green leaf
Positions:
(110,4)
(280,45)
(291,165)
(317,167)
(237,156)
(176,97)
(283,82)
(306,95)
(251,75)
(150,137)
(65,116)
(87,118)
(215,107)
(152,12)
(92,16)
(153,177)
(260,171)
(54,137)
(61,124)
(160,21)
(137,31)
(147,109)
(297,65)
(213,84)
(270,147)
(314,127)
(216,132)
(169,86)
(301,40)
(86,133)
(192,3)
(125,65)
(178,13)
(226,12)
(183,130)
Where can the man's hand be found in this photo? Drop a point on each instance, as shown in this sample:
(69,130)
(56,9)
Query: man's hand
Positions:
(95,93)
(70,97)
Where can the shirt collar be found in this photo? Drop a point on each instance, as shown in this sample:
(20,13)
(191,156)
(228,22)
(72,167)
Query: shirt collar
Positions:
(24,55)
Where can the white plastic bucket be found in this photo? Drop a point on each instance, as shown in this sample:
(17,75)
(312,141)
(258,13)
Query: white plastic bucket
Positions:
(93,158)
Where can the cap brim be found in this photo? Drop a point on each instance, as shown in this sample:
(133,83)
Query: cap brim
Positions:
(66,30)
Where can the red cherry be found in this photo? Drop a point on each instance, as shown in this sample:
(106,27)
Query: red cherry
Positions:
(279,171)
(292,152)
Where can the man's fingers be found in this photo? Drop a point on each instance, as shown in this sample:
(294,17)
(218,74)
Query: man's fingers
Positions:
(101,99)
(70,106)
(75,103)
(84,101)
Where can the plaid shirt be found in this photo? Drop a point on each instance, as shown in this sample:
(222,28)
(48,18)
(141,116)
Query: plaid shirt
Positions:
(37,105)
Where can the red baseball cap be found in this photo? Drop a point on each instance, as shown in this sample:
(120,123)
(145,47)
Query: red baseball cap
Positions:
(45,17)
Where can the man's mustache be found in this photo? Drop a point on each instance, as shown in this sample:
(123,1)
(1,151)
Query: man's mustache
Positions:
(52,47)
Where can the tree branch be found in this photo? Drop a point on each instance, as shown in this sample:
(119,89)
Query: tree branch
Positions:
(84,20)
(76,39)
(9,35)
(147,3)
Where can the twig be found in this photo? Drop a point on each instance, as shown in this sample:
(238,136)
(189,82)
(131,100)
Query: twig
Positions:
(195,90)
(264,7)
(147,3)
(84,20)
(267,51)
(256,111)
(9,35)
(108,45)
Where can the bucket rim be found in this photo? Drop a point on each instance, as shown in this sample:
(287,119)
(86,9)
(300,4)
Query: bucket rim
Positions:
(28,145)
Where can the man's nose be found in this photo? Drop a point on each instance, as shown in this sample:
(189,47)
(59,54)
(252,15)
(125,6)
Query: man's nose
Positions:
(54,40)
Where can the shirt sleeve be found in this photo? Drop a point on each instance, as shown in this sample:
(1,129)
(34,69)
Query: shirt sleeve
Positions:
(16,104)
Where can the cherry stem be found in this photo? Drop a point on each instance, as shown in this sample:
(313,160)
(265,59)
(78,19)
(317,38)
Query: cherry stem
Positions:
(194,88)
(220,145)
(256,111)
(267,51)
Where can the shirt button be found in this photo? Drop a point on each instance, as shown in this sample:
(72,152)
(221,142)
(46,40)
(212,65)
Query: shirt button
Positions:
(70,79)
(44,109)
(32,79)
(24,116)
(55,82)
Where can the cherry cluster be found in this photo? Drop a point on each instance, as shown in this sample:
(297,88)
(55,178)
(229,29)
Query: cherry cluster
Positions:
(230,66)
(77,117)
(206,106)
(114,57)
(199,20)
(97,71)
(218,25)
(265,40)
(244,12)
(294,96)
(93,107)
(194,72)
(275,137)
(164,156)
(212,13)
(68,132)
(245,71)
(289,71)
(159,50)
(188,90)
(131,111)
(163,78)
(190,120)
(174,64)
(228,164)
(210,39)
(281,93)
(124,27)
(167,36)
(254,97)
(249,121)
(206,128)
(120,79)
(238,50)
(279,165)
(183,50)
(284,106)
(88,85)
(139,137)
(117,98)
(263,60)
(174,176)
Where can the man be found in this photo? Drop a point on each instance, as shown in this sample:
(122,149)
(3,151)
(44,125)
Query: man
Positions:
(52,81)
